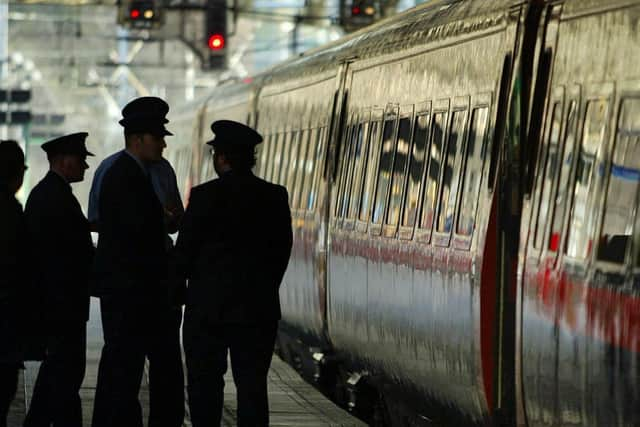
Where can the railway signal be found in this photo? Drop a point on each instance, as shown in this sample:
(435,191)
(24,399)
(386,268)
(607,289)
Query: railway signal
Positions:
(359,13)
(140,14)
(216,35)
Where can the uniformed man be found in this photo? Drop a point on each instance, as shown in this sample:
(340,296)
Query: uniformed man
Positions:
(60,240)
(138,320)
(233,246)
(12,272)
(165,185)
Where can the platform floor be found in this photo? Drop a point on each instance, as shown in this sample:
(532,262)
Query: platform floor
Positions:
(292,402)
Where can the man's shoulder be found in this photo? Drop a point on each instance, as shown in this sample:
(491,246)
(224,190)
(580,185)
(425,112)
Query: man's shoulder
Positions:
(48,196)
(276,189)
(206,187)
(121,165)
(43,188)
(163,165)
(108,161)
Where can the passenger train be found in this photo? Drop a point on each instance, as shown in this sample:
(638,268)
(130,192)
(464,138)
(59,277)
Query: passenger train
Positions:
(464,182)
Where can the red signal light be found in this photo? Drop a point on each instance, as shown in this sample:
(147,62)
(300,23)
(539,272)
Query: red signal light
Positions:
(355,10)
(216,42)
(135,13)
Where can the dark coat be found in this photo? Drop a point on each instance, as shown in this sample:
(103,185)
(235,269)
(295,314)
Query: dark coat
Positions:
(131,254)
(13,270)
(234,246)
(60,242)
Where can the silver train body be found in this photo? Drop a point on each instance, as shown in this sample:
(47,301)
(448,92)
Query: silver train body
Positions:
(464,183)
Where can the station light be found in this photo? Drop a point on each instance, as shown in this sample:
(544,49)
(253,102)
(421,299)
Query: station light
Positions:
(216,42)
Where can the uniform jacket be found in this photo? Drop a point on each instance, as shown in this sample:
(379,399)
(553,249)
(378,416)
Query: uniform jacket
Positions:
(12,277)
(61,248)
(234,246)
(131,254)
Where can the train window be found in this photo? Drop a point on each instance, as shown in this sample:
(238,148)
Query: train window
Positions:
(207,164)
(309,168)
(416,168)
(275,156)
(263,156)
(433,175)
(354,145)
(341,185)
(286,155)
(399,170)
(624,180)
(316,168)
(588,179)
(300,168)
(369,177)
(548,173)
(361,151)
(384,171)
(293,165)
(476,153)
(452,172)
(562,191)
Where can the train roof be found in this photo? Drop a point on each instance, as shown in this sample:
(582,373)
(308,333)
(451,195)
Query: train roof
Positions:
(430,22)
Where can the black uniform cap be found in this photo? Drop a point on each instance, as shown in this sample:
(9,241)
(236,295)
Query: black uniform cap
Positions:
(11,160)
(67,144)
(232,133)
(145,115)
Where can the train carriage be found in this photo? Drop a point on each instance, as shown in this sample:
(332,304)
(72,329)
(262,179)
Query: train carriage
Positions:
(579,332)
(463,180)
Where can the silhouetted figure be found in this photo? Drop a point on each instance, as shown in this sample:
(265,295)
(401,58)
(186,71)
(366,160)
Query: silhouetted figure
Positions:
(13,239)
(234,246)
(138,319)
(60,240)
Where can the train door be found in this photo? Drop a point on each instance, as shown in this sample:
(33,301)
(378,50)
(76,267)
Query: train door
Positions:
(334,144)
(543,144)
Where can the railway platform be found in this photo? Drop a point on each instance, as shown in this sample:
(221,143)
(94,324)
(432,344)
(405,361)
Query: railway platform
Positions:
(293,402)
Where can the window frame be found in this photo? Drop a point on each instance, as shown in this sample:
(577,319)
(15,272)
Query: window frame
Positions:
(391,112)
(557,97)
(593,92)
(404,112)
(285,156)
(319,164)
(422,109)
(342,164)
(305,138)
(440,106)
(459,104)
(573,94)
(375,116)
(348,185)
(352,223)
(478,102)
(626,90)
(279,137)
(294,152)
